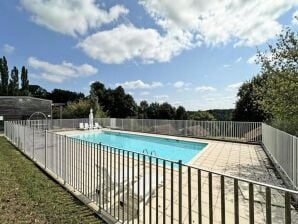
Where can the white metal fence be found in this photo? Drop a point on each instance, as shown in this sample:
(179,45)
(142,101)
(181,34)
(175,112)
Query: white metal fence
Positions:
(225,130)
(283,149)
(116,181)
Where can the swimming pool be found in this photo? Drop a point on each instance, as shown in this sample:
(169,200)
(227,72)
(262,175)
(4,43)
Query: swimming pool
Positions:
(166,148)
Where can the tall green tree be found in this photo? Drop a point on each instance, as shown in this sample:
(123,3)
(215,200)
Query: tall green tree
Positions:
(13,87)
(4,76)
(143,109)
(248,107)
(166,111)
(99,89)
(153,110)
(1,62)
(181,113)
(279,96)
(97,110)
(24,82)
(119,104)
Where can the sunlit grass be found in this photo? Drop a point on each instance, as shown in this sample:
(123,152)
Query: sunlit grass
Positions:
(27,195)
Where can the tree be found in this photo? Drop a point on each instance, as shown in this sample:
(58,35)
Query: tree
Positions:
(166,111)
(279,95)
(1,65)
(80,109)
(201,116)
(4,76)
(97,110)
(153,111)
(25,82)
(181,113)
(13,87)
(99,89)
(64,96)
(272,95)
(143,109)
(248,107)
(118,104)
(38,91)
(222,114)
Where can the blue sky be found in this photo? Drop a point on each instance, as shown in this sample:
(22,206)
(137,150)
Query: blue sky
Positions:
(191,53)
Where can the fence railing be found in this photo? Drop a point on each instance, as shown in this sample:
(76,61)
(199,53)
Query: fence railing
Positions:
(283,149)
(225,130)
(133,187)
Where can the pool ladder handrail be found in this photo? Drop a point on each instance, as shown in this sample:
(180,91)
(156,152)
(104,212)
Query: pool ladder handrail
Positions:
(153,153)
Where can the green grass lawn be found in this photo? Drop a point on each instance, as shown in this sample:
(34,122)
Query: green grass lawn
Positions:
(27,195)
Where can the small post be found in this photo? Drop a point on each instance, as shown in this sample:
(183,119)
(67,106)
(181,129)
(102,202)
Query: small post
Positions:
(24,143)
(46,147)
(180,191)
(33,144)
(268,205)
(287,208)
(64,159)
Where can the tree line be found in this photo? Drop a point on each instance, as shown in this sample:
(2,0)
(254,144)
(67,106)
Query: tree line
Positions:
(106,102)
(10,83)
(272,95)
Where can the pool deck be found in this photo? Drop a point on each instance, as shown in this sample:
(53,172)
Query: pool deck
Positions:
(237,159)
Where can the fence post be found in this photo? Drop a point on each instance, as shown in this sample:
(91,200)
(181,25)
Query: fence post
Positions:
(18,136)
(33,145)
(180,192)
(45,151)
(65,145)
(24,142)
(142,125)
(293,163)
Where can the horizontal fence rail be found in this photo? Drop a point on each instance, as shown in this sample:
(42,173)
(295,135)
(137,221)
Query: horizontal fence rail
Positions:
(225,130)
(133,187)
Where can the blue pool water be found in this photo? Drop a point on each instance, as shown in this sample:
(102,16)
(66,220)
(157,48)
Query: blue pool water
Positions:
(165,148)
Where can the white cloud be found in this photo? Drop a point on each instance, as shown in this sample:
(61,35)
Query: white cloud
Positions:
(252,59)
(139,84)
(60,72)
(145,93)
(178,84)
(238,60)
(181,84)
(226,66)
(221,21)
(161,97)
(126,42)
(8,49)
(205,89)
(71,17)
(234,87)
(295,18)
